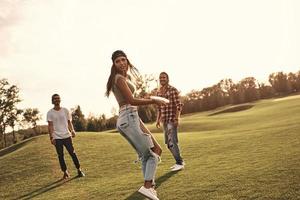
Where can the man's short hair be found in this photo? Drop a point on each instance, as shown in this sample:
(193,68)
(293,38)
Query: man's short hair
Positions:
(54,95)
(165,73)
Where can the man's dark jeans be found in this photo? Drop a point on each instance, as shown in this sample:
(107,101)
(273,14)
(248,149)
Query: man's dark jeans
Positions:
(67,142)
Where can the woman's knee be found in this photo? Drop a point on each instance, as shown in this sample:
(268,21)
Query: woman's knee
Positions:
(157,150)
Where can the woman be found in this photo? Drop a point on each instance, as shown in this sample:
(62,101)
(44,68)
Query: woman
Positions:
(129,124)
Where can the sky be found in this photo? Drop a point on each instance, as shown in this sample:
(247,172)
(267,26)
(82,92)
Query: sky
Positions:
(65,46)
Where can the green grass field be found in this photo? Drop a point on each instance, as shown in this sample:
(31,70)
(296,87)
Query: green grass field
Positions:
(248,154)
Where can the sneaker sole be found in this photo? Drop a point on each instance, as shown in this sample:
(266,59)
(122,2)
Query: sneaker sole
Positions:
(177,169)
(147,196)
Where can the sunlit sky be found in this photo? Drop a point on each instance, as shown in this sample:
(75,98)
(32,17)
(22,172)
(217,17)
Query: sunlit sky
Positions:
(65,46)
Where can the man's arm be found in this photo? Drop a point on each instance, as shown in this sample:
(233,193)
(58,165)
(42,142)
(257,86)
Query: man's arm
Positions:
(71,128)
(158,118)
(70,125)
(178,104)
(51,131)
(177,116)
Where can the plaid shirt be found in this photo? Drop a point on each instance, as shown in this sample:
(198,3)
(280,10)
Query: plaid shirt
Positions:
(168,112)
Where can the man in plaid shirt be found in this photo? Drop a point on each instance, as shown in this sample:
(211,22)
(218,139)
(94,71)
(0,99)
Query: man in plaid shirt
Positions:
(168,114)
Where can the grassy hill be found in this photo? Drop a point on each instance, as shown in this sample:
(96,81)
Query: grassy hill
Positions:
(251,152)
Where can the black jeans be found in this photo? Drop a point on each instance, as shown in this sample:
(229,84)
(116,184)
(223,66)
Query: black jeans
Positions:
(67,142)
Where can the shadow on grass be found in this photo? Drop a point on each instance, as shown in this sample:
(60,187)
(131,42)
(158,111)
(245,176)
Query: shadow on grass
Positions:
(14,147)
(159,181)
(233,109)
(45,188)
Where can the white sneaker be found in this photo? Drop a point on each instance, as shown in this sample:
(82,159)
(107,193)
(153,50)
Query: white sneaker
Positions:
(173,166)
(183,163)
(177,167)
(149,193)
(154,191)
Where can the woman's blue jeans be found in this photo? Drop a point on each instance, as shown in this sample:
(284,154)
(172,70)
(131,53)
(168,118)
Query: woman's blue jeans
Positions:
(128,125)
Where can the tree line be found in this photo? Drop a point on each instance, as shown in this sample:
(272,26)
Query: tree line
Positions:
(11,116)
(225,92)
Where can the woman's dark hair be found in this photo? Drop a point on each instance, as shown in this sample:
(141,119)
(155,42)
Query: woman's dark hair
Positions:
(134,71)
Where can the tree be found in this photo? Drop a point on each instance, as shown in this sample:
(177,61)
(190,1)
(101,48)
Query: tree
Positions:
(31,116)
(238,93)
(250,89)
(192,102)
(9,98)
(265,91)
(13,119)
(143,85)
(298,81)
(102,120)
(226,85)
(294,81)
(111,122)
(147,113)
(78,119)
(91,124)
(96,124)
(280,83)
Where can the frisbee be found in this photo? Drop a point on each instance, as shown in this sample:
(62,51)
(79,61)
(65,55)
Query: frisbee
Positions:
(160,99)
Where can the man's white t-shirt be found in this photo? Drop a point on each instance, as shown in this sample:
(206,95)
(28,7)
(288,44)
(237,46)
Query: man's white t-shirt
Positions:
(60,122)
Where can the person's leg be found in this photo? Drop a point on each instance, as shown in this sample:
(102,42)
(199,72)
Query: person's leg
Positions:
(165,129)
(172,142)
(70,148)
(157,148)
(129,126)
(142,144)
(60,153)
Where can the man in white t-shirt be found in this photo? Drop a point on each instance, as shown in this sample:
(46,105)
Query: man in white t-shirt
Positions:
(61,132)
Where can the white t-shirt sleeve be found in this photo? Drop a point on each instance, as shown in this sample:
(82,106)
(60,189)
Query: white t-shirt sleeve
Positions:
(49,117)
(68,114)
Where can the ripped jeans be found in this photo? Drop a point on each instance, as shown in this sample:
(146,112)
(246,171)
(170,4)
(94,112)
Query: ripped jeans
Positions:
(129,127)
(171,140)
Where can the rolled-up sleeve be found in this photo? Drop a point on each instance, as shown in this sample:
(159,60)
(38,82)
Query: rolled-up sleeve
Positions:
(177,101)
